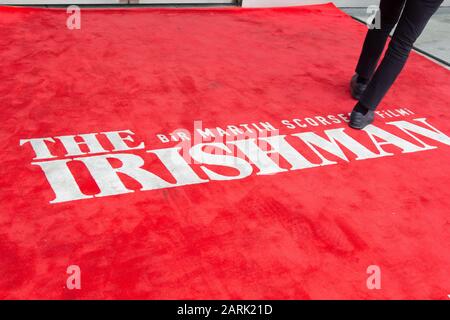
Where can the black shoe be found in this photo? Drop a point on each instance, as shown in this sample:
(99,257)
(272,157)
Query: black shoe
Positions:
(361,117)
(357,87)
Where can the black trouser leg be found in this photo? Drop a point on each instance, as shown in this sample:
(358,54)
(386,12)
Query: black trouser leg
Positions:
(413,20)
(375,41)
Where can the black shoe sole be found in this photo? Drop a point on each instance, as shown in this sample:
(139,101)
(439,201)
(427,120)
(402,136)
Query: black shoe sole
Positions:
(351,125)
(355,127)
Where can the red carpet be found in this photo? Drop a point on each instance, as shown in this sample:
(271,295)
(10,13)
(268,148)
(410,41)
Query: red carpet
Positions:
(146,223)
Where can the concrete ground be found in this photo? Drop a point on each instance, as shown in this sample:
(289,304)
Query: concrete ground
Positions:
(435,39)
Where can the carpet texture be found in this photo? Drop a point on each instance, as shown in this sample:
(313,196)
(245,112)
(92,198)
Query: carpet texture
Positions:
(309,222)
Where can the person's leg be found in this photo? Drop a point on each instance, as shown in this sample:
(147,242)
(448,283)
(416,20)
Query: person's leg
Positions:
(414,18)
(375,41)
